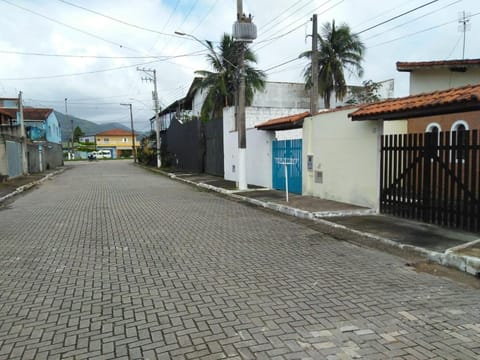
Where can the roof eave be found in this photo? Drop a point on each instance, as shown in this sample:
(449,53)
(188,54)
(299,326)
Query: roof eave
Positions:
(283,126)
(422,112)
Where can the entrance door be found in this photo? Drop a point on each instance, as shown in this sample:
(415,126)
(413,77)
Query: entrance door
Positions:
(287,153)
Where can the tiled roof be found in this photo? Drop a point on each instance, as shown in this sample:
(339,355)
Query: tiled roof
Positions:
(410,66)
(30,113)
(464,98)
(115,132)
(290,121)
(7,113)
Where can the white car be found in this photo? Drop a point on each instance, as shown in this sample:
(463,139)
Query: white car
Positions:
(104,154)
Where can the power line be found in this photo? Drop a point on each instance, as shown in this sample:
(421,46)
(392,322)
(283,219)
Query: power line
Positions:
(159,57)
(413,20)
(78,74)
(139,27)
(396,17)
(418,32)
(271,40)
(281,64)
(69,26)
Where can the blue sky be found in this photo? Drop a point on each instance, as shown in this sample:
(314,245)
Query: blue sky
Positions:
(61,27)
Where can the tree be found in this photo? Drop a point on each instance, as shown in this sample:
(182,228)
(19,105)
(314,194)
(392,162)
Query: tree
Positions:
(77,134)
(339,49)
(367,93)
(222,81)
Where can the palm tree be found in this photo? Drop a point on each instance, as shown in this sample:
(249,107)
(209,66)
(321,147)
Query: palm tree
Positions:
(222,81)
(339,49)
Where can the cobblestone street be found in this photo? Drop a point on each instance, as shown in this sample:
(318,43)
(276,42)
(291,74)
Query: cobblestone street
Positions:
(110,261)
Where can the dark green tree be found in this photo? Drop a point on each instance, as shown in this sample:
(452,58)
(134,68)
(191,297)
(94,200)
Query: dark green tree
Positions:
(77,134)
(222,81)
(339,50)
(367,93)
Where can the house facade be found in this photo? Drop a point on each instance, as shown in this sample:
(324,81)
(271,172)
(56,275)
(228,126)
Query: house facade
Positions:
(430,76)
(431,176)
(118,141)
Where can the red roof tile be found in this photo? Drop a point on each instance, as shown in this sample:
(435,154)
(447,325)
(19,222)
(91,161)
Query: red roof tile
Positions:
(30,113)
(115,132)
(7,113)
(410,66)
(285,121)
(421,105)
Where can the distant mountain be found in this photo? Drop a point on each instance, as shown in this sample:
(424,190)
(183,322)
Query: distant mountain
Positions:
(88,127)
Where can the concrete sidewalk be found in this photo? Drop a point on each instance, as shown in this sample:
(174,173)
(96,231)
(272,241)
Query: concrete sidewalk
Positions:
(453,248)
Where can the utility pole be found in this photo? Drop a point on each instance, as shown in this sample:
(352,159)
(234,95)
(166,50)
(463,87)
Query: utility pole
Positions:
(242,133)
(134,149)
(244,31)
(152,77)
(71,122)
(23,136)
(314,89)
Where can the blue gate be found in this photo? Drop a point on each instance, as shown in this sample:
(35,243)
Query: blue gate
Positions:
(287,153)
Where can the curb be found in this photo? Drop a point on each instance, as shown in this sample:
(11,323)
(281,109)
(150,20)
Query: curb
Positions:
(463,263)
(25,187)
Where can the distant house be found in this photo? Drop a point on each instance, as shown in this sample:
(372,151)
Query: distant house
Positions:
(42,149)
(119,142)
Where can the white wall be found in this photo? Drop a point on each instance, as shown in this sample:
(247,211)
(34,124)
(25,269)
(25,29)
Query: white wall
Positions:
(259,156)
(395,127)
(425,81)
(259,143)
(346,153)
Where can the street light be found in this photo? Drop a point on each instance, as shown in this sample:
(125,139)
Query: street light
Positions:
(134,150)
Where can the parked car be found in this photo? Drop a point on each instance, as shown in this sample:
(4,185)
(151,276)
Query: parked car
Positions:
(104,154)
(92,155)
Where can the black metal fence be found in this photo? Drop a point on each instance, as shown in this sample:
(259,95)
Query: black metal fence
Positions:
(194,146)
(432,177)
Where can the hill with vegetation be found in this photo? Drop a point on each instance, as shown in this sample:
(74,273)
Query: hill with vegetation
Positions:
(88,127)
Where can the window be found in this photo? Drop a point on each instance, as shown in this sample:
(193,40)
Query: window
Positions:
(106,140)
(124,140)
(433,128)
(459,138)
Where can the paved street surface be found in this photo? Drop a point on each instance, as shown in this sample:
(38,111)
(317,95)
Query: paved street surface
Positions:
(111,261)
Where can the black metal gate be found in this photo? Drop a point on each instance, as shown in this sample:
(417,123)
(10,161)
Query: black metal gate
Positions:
(432,177)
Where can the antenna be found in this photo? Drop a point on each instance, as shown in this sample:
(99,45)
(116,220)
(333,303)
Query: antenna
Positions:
(464,25)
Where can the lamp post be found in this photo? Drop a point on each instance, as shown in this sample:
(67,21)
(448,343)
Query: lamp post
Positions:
(134,149)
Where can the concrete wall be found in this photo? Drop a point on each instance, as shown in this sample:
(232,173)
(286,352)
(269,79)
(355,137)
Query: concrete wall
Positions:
(345,154)
(424,81)
(284,95)
(259,143)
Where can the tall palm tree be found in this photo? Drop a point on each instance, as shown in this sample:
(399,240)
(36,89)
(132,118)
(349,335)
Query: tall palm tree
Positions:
(339,49)
(221,82)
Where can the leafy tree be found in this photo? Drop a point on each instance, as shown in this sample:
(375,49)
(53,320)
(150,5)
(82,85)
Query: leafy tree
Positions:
(367,93)
(77,133)
(222,81)
(339,49)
